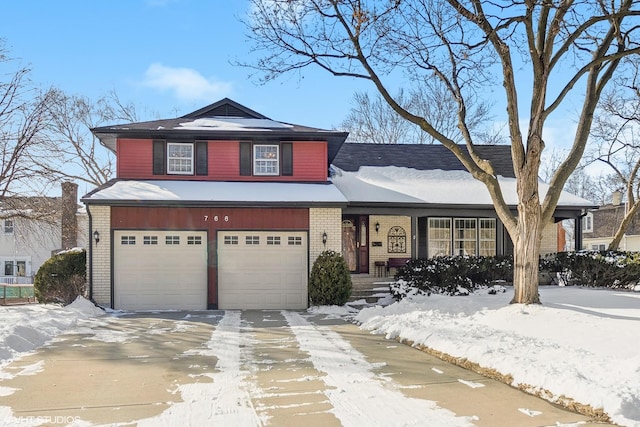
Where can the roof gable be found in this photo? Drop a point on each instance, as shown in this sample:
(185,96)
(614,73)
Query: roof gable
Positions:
(224,108)
(352,156)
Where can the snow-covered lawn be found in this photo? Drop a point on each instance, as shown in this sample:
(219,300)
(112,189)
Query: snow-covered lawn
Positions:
(581,343)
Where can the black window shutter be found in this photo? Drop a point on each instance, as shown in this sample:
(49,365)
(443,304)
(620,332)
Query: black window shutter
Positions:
(202,160)
(159,159)
(245,159)
(286,152)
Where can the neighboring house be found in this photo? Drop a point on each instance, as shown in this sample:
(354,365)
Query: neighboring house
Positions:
(599,226)
(33,228)
(226,208)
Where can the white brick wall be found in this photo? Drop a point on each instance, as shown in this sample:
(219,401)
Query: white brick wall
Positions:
(101,221)
(324,220)
(381,253)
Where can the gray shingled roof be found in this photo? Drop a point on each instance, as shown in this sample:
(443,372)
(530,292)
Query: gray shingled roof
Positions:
(418,156)
(265,128)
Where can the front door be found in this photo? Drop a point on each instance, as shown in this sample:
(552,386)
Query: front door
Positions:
(355,243)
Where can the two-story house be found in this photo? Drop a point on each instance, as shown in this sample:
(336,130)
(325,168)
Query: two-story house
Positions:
(226,208)
(33,228)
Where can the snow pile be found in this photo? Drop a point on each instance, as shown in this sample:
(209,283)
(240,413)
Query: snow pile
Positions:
(25,328)
(581,343)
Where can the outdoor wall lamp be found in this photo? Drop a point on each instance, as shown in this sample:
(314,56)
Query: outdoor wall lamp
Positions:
(96,236)
(377,227)
(324,238)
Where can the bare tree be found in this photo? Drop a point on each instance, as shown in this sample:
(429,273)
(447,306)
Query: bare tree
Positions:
(372,120)
(71,151)
(471,47)
(616,131)
(23,117)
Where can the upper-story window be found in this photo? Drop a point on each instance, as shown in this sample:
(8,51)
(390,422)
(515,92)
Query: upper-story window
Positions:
(8,226)
(179,158)
(266,160)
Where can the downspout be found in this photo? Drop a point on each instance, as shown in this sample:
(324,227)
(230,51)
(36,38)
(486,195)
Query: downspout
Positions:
(90,281)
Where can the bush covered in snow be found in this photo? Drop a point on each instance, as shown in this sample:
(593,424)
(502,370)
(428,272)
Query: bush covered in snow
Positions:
(330,280)
(62,278)
(610,269)
(452,275)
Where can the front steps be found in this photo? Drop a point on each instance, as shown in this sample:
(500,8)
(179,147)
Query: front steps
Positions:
(369,288)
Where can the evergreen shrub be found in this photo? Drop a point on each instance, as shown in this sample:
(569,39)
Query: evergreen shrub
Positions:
(62,278)
(330,280)
(452,275)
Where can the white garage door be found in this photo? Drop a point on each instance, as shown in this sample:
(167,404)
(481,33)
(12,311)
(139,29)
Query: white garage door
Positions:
(160,270)
(262,270)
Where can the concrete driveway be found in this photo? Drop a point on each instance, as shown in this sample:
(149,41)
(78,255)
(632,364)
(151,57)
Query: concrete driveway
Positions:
(248,368)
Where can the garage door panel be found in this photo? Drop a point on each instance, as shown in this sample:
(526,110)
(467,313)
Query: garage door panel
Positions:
(164,275)
(253,274)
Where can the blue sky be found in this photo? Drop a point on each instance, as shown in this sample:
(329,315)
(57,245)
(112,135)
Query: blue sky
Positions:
(168,57)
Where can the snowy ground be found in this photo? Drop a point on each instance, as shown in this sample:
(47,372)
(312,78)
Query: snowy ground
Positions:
(581,343)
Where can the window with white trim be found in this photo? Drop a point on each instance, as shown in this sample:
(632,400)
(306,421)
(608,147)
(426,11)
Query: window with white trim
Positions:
(252,240)
(273,240)
(439,240)
(172,240)
(266,159)
(128,240)
(194,240)
(464,236)
(487,237)
(150,240)
(587,223)
(294,241)
(8,226)
(179,158)
(230,240)
(599,247)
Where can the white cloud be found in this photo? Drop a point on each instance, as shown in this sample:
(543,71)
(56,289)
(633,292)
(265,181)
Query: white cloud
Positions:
(186,83)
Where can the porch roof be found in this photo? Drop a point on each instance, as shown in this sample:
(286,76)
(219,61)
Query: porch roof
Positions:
(403,186)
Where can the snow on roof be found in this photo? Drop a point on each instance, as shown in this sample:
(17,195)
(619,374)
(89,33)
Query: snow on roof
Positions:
(401,185)
(214,191)
(232,123)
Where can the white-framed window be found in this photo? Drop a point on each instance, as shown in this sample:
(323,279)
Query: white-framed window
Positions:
(587,223)
(273,240)
(599,247)
(172,240)
(8,226)
(252,240)
(150,240)
(194,240)
(266,159)
(128,240)
(465,236)
(487,237)
(294,241)
(180,158)
(439,237)
(230,240)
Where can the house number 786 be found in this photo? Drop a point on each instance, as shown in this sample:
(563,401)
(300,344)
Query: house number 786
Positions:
(216,218)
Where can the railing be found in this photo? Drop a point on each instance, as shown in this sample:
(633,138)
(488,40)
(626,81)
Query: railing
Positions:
(17,280)
(16,293)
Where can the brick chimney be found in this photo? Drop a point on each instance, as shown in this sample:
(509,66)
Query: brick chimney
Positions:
(68,219)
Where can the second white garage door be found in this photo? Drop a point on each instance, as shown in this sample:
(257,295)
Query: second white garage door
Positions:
(160,270)
(262,270)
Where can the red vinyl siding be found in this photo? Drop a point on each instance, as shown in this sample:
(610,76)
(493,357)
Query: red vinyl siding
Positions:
(309,161)
(211,220)
(135,158)
(224,160)
(135,161)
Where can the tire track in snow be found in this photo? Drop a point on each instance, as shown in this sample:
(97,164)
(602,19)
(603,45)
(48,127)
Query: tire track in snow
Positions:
(226,400)
(359,397)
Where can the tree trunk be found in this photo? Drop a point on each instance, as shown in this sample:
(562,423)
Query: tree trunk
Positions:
(526,254)
(622,229)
